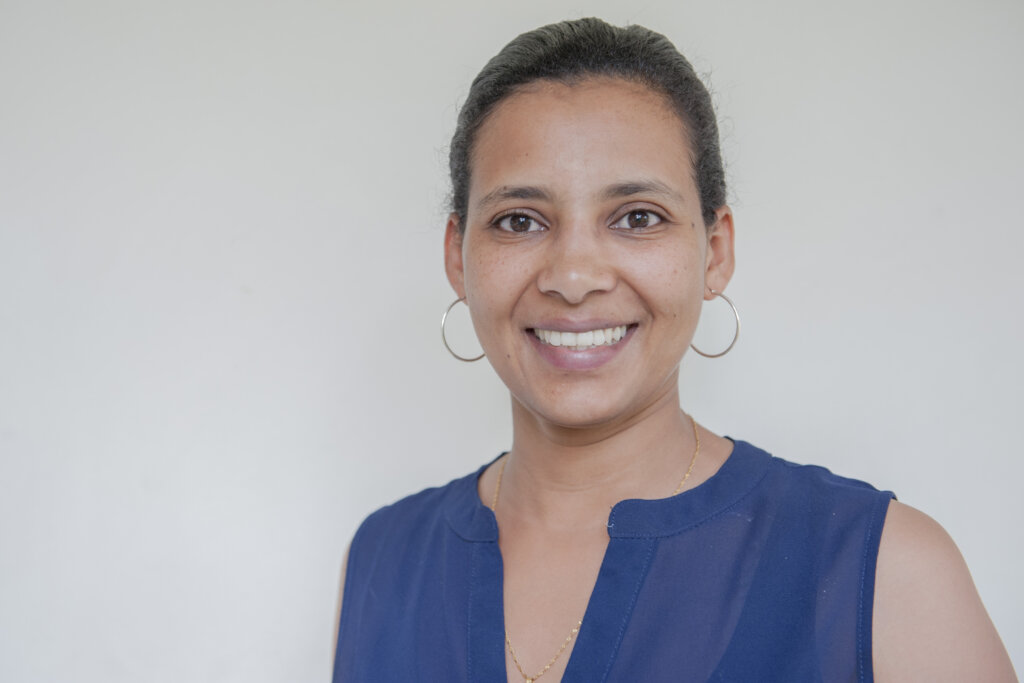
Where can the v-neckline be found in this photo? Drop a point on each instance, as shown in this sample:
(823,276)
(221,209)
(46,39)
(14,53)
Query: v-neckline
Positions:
(635,528)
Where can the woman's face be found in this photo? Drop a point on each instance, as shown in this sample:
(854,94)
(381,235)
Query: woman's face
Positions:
(584,259)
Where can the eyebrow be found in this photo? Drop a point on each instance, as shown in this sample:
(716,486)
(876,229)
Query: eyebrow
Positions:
(512,192)
(616,191)
(628,189)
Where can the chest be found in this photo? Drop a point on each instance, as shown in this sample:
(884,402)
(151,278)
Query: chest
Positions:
(547,584)
(754,592)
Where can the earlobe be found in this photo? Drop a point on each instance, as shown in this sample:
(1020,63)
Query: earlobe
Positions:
(453,255)
(721,257)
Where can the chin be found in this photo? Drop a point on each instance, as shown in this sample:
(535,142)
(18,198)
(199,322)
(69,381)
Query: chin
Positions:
(568,412)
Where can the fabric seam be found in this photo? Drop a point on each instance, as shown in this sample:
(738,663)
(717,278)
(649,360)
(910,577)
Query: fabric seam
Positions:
(710,517)
(865,667)
(652,544)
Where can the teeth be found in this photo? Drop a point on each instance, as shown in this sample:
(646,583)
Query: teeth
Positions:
(582,340)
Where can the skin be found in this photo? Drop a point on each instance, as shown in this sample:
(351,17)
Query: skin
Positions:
(571,164)
(929,623)
(583,213)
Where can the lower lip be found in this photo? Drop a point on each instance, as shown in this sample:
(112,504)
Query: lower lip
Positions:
(565,358)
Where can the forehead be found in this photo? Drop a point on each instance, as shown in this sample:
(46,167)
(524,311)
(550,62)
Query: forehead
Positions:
(581,136)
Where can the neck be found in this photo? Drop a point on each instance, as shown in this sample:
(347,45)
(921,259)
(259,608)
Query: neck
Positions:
(570,477)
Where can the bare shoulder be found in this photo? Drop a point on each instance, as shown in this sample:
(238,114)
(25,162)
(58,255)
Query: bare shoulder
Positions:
(929,623)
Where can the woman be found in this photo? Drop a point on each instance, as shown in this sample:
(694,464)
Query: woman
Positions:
(618,540)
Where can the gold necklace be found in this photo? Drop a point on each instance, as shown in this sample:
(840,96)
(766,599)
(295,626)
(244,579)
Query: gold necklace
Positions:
(696,451)
(576,628)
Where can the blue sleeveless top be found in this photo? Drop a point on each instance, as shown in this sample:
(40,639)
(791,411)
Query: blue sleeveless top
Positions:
(765,572)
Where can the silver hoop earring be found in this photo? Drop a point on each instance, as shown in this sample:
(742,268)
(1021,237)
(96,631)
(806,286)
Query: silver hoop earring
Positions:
(736,336)
(444,338)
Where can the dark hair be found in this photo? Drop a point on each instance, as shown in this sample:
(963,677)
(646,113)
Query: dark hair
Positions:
(570,51)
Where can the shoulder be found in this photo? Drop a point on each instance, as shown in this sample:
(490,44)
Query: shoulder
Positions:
(928,621)
(401,535)
(808,500)
(428,502)
(415,522)
(816,476)
(418,511)
(817,490)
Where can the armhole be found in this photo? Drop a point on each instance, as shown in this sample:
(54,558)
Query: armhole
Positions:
(866,599)
(346,597)
(347,568)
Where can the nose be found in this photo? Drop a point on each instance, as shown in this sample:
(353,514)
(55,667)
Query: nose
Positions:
(577,264)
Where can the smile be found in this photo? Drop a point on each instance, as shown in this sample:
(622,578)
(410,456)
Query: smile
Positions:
(580,341)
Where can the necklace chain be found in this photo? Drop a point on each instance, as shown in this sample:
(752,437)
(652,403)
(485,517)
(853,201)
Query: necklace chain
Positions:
(565,644)
(579,624)
(693,460)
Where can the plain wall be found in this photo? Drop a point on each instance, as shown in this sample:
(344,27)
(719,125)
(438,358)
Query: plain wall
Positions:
(221,281)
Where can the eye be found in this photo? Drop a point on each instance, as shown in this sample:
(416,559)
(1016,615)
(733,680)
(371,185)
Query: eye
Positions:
(517,222)
(637,219)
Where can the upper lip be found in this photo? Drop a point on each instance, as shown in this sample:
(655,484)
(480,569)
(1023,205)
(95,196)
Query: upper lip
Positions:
(564,325)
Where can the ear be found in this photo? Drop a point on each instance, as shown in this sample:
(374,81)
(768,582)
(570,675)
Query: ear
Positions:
(453,255)
(721,258)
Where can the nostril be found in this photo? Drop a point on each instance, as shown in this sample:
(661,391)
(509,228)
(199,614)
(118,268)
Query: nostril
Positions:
(573,280)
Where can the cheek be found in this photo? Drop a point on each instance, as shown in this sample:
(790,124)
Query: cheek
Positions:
(673,283)
(489,295)
(493,277)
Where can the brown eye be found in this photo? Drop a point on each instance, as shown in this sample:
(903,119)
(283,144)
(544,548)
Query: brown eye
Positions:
(637,219)
(517,222)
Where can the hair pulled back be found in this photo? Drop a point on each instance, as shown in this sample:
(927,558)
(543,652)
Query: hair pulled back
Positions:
(570,51)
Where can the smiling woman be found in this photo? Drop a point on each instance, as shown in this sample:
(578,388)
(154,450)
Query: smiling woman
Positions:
(588,227)
(589,220)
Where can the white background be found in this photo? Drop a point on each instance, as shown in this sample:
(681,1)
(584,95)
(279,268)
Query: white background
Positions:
(221,279)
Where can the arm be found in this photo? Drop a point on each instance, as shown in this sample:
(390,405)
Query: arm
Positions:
(929,623)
